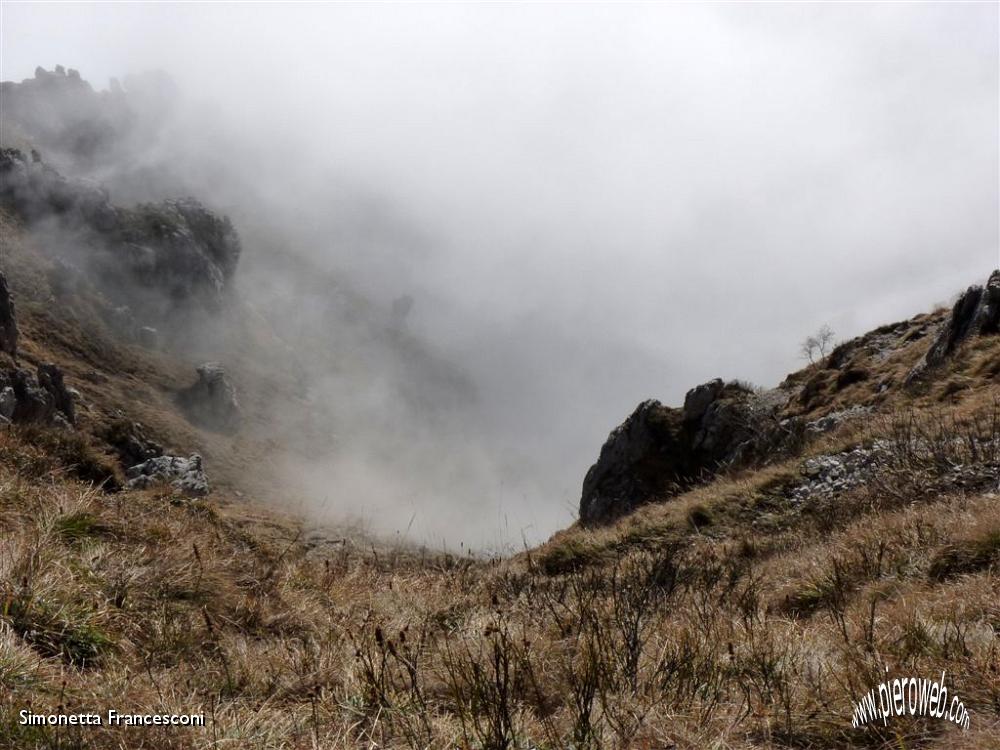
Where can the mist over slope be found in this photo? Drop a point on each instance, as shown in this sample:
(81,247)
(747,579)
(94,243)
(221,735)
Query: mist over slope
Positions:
(575,204)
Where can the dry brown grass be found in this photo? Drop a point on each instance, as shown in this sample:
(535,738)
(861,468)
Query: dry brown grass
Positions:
(667,634)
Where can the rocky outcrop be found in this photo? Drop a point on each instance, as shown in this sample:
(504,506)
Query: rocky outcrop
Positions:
(184,474)
(660,451)
(976,313)
(181,249)
(211,401)
(50,378)
(8,320)
(63,113)
(25,398)
(36,191)
(153,258)
(645,456)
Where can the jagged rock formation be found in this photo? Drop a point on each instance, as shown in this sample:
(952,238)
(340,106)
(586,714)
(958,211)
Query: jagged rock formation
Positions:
(25,398)
(184,474)
(976,313)
(35,191)
(50,378)
(154,258)
(212,401)
(8,320)
(641,457)
(660,451)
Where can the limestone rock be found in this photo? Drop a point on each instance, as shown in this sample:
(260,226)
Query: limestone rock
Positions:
(699,398)
(660,451)
(212,400)
(184,474)
(25,398)
(976,313)
(640,457)
(836,418)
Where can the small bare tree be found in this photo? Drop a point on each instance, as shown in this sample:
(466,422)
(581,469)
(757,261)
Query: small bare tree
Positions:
(818,345)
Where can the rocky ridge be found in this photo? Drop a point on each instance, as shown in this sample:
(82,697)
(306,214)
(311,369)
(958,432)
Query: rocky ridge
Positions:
(153,258)
(975,313)
(659,451)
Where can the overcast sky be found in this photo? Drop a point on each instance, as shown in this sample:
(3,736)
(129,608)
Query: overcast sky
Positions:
(605,203)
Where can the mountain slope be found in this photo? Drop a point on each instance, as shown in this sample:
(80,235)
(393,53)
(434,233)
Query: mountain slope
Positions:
(747,565)
(751,610)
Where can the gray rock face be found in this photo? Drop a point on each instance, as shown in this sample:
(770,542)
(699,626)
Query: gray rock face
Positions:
(212,401)
(660,451)
(25,398)
(8,320)
(640,458)
(700,398)
(50,378)
(181,249)
(184,474)
(976,313)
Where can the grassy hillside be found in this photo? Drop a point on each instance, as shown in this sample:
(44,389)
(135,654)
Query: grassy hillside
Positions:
(746,613)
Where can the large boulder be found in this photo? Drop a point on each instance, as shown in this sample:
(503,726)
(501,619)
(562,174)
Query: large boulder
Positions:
(211,401)
(184,474)
(8,320)
(643,456)
(976,313)
(661,451)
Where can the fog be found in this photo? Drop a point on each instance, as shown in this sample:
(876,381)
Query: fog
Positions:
(590,205)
